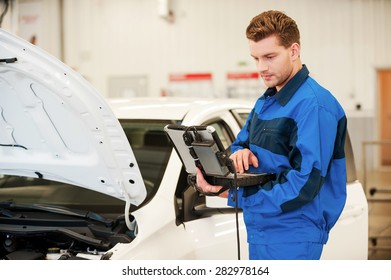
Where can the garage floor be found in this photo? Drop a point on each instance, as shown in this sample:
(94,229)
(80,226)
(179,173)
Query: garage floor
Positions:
(379,203)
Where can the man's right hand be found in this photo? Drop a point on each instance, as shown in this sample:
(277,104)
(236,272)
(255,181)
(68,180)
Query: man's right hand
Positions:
(205,187)
(243,159)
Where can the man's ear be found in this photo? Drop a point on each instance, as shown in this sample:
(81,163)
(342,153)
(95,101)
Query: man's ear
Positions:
(295,51)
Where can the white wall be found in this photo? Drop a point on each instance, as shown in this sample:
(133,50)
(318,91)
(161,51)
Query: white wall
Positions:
(343,41)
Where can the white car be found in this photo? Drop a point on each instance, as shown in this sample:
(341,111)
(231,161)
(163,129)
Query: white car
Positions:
(84,178)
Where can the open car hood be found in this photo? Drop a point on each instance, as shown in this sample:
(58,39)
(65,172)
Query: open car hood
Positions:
(55,125)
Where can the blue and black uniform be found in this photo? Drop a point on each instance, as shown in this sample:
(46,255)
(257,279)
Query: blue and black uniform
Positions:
(298,133)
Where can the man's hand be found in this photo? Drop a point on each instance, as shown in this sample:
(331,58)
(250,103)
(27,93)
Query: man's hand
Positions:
(243,159)
(206,187)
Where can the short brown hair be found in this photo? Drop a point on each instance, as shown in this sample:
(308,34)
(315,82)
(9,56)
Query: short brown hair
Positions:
(273,23)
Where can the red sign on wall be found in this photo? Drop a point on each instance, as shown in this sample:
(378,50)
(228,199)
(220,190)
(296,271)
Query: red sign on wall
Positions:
(190,77)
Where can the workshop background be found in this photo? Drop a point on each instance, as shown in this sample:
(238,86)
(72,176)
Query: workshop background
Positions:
(128,48)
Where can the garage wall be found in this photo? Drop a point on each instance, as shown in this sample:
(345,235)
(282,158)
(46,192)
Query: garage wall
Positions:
(117,43)
(343,41)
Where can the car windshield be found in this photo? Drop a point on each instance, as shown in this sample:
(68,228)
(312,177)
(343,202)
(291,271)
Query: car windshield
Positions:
(151,148)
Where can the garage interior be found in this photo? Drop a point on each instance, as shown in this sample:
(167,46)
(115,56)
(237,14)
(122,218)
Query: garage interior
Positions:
(134,48)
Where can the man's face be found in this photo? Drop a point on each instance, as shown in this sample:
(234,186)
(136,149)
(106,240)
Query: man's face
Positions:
(275,63)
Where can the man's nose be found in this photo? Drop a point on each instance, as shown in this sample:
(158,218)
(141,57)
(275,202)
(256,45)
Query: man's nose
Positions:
(262,65)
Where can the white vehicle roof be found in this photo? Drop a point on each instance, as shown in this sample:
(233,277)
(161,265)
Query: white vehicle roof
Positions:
(184,109)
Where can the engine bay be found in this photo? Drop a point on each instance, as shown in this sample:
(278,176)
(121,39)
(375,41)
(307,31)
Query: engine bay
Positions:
(37,235)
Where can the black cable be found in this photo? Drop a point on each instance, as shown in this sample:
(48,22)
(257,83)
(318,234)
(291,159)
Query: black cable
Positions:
(13,145)
(237,214)
(231,166)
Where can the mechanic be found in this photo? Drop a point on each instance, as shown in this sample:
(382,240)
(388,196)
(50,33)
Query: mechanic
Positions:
(296,130)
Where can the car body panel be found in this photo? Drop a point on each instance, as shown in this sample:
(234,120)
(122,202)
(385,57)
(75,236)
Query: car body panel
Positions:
(348,239)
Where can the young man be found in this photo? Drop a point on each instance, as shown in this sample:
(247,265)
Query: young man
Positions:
(297,131)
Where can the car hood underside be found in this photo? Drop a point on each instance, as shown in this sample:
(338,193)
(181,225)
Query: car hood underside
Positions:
(55,125)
